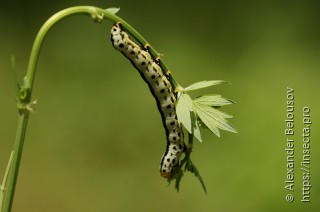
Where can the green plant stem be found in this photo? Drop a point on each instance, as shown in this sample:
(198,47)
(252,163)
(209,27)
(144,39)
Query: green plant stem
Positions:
(18,147)
(24,98)
(96,14)
(4,182)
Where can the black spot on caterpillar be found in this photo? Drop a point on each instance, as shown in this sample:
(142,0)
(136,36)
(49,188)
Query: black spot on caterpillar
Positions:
(162,91)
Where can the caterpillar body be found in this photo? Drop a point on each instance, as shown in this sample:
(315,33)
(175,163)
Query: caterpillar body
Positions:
(161,89)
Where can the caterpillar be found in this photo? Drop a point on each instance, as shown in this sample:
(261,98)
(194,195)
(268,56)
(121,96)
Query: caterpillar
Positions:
(162,91)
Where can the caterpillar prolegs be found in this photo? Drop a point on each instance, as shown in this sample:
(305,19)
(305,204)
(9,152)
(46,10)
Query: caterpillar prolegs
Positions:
(161,89)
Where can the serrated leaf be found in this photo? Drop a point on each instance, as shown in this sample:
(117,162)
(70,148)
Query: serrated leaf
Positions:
(113,10)
(186,165)
(184,107)
(177,176)
(197,132)
(193,169)
(212,100)
(203,84)
(213,118)
(195,126)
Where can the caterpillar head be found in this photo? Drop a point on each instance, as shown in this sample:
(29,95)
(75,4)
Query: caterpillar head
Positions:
(168,171)
(164,174)
(170,161)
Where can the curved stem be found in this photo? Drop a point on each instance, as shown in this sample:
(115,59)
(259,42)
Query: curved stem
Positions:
(84,10)
(97,14)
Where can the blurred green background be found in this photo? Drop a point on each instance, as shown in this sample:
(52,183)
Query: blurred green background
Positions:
(96,139)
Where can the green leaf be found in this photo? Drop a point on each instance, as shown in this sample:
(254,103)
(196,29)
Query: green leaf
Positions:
(212,100)
(113,10)
(196,132)
(178,176)
(213,118)
(195,126)
(193,169)
(203,84)
(186,165)
(184,107)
